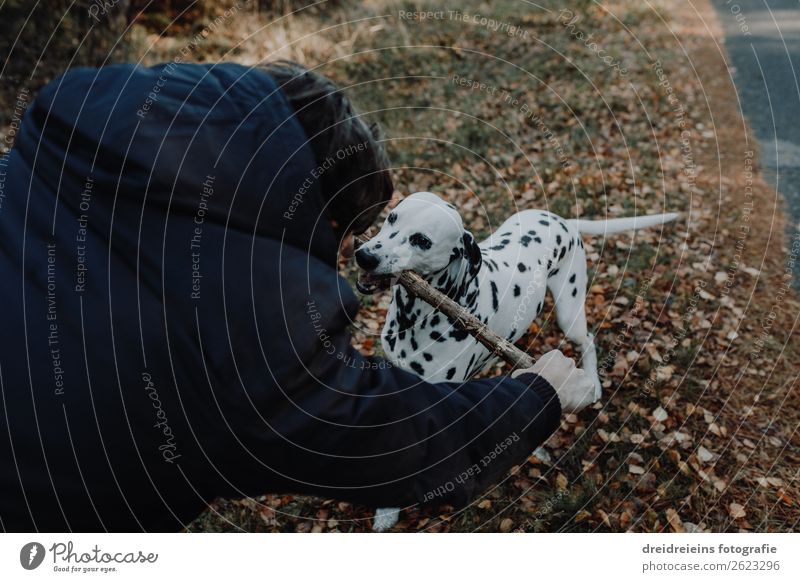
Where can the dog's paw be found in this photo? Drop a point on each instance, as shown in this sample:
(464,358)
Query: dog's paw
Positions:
(385,518)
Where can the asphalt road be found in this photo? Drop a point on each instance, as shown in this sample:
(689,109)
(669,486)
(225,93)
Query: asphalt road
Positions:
(763,41)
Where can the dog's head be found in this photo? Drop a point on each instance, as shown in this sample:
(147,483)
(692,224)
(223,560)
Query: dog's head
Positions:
(423,234)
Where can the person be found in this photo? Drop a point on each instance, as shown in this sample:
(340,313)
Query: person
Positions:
(174,325)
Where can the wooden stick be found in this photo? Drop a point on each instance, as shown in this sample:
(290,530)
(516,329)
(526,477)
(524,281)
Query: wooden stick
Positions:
(503,348)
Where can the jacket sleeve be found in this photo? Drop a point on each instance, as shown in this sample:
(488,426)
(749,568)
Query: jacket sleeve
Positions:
(420,442)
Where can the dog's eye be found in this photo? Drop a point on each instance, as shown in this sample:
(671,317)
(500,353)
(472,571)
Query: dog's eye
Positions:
(420,240)
(392,218)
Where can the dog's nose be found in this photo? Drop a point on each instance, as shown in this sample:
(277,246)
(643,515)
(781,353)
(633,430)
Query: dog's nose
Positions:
(366,260)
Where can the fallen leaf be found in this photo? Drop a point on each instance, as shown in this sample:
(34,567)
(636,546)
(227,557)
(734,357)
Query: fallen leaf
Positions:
(785,498)
(581,515)
(704,455)
(660,414)
(736,511)
(624,519)
(541,455)
(675,521)
(664,373)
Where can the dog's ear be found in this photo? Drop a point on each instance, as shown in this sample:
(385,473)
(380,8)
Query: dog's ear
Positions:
(472,251)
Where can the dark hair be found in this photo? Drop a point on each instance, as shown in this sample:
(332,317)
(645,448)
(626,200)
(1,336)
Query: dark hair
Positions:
(358,183)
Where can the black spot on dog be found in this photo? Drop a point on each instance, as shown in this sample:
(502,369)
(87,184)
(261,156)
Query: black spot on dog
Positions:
(391,340)
(563,226)
(517,291)
(394,234)
(450,373)
(555,253)
(435,320)
(537,240)
(497,248)
(558,239)
(495,303)
(420,241)
(404,308)
(427,356)
(553,273)
(414,344)
(472,252)
(505,264)
(532,232)
(402,353)
(458,334)
(539,307)
(574,291)
(562,253)
(442,280)
(549,264)
(522,268)
(436,336)
(402,335)
(572,278)
(392,218)
(417,367)
(525,240)
(489,266)
(544,223)
(571,242)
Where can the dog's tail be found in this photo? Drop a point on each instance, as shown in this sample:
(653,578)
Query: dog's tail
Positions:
(614,225)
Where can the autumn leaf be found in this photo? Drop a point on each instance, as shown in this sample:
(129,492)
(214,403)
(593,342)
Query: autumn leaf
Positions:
(736,511)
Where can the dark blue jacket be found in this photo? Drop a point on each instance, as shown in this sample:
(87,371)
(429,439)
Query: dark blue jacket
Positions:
(174,328)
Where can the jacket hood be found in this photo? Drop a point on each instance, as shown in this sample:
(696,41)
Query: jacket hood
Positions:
(224,132)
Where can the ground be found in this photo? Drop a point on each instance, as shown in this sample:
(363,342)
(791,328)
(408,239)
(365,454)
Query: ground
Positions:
(697,430)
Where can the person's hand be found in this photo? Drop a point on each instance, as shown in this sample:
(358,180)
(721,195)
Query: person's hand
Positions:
(573,386)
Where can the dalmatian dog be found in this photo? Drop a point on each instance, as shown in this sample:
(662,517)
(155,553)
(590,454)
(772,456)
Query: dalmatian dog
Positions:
(501,280)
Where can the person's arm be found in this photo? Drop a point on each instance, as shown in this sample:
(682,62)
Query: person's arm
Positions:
(389,438)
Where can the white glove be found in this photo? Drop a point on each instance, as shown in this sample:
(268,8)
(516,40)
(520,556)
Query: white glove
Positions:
(573,386)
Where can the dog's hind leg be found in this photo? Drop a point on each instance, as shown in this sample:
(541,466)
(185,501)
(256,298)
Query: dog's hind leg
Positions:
(568,287)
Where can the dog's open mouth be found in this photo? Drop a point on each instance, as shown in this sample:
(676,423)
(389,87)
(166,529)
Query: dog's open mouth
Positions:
(369,283)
